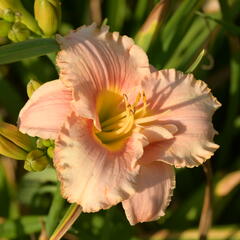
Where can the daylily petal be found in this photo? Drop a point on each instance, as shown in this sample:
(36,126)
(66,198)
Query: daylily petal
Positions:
(93,60)
(46,110)
(156,182)
(188,104)
(156,133)
(91,175)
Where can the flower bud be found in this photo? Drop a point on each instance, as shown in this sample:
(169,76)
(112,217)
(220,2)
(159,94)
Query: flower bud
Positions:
(44,143)
(12,134)
(32,86)
(4,28)
(47,142)
(8,15)
(11,150)
(19,32)
(48,14)
(50,151)
(36,160)
(26,17)
(40,144)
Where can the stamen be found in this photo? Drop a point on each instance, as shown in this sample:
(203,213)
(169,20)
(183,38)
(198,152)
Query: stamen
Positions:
(113,119)
(117,117)
(151,118)
(115,125)
(138,98)
(119,126)
(141,112)
(119,133)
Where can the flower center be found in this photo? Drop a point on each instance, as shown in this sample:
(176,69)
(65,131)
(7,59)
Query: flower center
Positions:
(117,122)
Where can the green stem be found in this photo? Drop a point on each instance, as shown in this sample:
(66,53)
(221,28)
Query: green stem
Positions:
(54,212)
(69,218)
(207,211)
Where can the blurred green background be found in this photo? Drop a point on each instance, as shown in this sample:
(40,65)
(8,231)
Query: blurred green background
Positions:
(182,30)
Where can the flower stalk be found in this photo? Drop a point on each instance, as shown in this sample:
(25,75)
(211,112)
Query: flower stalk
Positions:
(69,218)
(54,212)
(207,210)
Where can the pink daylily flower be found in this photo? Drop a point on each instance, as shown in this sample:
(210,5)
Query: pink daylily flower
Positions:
(119,125)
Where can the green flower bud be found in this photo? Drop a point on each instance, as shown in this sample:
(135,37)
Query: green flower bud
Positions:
(12,134)
(50,151)
(32,86)
(48,14)
(19,32)
(4,28)
(46,142)
(9,149)
(40,144)
(36,160)
(26,17)
(8,15)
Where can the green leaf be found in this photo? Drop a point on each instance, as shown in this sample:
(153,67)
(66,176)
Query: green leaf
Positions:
(191,43)
(20,227)
(179,18)
(32,48)
(175,29)
(228,26)
(151,26)
(141,7)
(196,62)
(117,11)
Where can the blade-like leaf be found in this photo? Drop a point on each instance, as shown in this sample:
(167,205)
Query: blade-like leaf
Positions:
(32,48)
(151,26)
(179,17)
(196,62)
(117,12)
(191,43)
